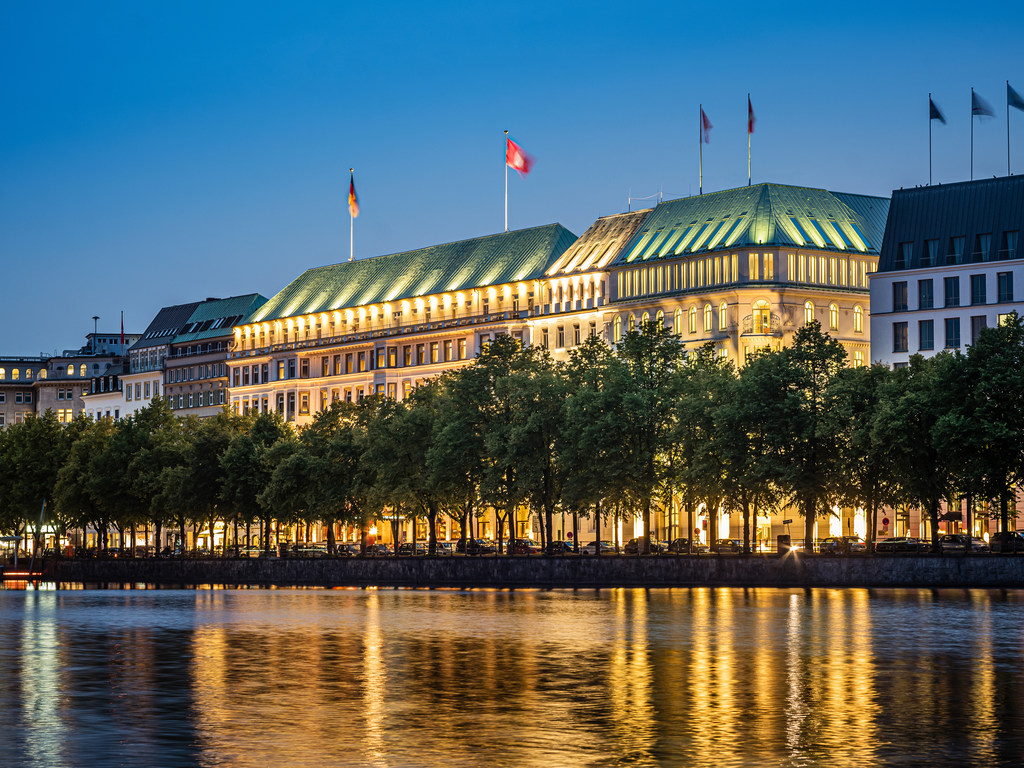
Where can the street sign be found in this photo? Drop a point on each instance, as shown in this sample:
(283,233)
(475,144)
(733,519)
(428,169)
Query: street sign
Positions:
(885,521)
(568,535)
(787,522)
(696,530)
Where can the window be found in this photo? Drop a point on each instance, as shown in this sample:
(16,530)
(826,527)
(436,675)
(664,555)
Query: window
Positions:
(723,316)
(3,374)
(462,349)
(576,333)
(768,260)
(560,337)
(448,355)
(761,317)
(304,402)
(808,313)
(899,296)
(858,359)
(982,248)
(138,390)
(632,323)
(926,334)
(977,289)
(899,337)
(1009,248)
(952,332)
(660,318)
(978,322)
(904,253)
(752,266)
(407,355)
(833,317)
(925,294)
(858,319)
(952,288)
(362,362)
(280,372)
(708,315)
(435,352)
(678,318)
(692,320)
(146,390)
(128,392)
(955,252)
(325,368)
(71,371)
(616,330)
(381,358)
(930,257)
(1004,282)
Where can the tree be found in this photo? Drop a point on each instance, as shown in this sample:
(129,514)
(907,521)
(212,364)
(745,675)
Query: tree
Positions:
(652,356)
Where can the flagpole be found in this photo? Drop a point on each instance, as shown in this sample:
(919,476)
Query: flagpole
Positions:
(700,150)
(748,139)
(506,181)
(930,139)
(1007,127)
(972,134)
(351,227)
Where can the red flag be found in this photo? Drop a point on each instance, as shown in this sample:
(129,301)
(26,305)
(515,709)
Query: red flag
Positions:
(516,158)
(705,127)
(353,201)
(750,116)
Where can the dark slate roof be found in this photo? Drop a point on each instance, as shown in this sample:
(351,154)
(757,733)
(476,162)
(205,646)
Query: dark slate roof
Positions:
(760,215)
(965,209)
(601,243)
(216,317)
(166,325)
(507,257)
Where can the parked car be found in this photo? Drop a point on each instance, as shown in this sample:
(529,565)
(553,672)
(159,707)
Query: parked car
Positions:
(591,549)
(408,548)
(842,545)
(346,550)
(379,550)
(560,548)
(476,547)
(249,552)
(525,547)
(308,550)
(961,542)
(632,547)
(900,544)
(727,547)
(682,547)
(1007,541)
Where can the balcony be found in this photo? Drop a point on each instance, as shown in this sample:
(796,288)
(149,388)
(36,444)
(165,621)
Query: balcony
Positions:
(762,325)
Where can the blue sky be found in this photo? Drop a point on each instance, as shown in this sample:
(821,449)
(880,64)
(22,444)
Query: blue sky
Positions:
(159,153)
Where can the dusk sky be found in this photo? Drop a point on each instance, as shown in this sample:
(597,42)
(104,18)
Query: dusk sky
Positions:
(154,154)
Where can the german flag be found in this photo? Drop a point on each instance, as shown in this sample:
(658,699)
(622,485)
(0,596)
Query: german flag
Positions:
(353,200)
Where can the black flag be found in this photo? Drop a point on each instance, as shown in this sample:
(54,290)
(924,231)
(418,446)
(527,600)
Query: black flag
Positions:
(934,113)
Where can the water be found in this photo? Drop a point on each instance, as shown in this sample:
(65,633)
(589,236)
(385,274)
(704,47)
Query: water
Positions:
(689,677)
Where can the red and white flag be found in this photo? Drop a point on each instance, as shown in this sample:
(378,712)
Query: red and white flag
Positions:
(750,116)
(517,158)
(705,127)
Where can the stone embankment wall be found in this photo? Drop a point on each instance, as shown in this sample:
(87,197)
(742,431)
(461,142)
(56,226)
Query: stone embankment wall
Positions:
(558,572)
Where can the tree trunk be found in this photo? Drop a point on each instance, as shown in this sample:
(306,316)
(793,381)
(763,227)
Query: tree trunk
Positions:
(645,543)
(810,515)
(597,529)
(933,522)
(431,528)
(1004,511)
(575,533)
(689,528)
(332,546)
(746,524)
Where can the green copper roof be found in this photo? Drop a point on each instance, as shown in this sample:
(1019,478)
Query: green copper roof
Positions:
(215,317)
(504,258)
(756,216)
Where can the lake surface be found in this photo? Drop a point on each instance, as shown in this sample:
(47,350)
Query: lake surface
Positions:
(687,677)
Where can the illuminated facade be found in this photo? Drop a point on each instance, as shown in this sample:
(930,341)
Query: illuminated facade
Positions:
(742,268)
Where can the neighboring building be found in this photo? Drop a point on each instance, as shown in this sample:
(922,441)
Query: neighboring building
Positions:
(33,385)
(142,380)
(743,268)
(104,399)
(195,370)
(949,266)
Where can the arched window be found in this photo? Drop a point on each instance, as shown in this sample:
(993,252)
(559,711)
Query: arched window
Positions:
(42,373)
(617,329)
(660,318)
(808,313)
(81,370)
(761,317)
(833,317)
(632,322)
(3,374)
(723,316)
(646,318)
(71,370)
(692,320)
(858,319)
(708,314)
(15,374)
(678,316)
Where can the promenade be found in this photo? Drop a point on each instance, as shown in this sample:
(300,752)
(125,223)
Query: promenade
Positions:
(556,572)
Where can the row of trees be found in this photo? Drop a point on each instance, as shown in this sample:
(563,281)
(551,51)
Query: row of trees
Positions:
(611,432)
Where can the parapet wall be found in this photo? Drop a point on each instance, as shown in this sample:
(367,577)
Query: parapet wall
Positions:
(558,572)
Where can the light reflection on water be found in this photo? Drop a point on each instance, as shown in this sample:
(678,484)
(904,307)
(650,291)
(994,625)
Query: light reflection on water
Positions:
(421,678)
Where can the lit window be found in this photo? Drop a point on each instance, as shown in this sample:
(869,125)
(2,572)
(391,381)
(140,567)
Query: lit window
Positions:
(616,330)
(858,319)
(833,317)
(708,314)
(81,370)
(769,266)
(858,359)
(71,370)
(762,317)
(692,325)
(660,318)
(678,317)
(632,323)
(808,312)
(752,265)
(723,316)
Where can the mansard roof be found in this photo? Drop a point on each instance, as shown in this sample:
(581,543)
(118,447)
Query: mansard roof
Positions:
(216,317)
(508,257)
(166,325)
(941,213)
(601,243)
(761,215)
